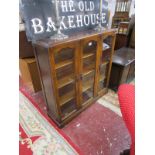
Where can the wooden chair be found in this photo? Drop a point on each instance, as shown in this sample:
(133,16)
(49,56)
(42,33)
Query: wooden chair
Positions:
(126,95)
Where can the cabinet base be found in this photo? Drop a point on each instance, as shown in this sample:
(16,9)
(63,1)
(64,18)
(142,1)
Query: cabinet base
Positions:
(69,118)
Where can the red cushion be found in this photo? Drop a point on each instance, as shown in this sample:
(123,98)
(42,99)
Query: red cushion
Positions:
(126,95)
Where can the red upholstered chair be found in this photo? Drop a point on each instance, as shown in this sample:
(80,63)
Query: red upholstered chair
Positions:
(126,95)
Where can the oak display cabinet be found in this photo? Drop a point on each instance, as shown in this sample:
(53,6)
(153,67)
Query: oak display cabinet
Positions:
(74,72)
(25,47)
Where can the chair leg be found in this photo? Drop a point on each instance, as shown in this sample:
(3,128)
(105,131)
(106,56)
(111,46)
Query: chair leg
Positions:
(125,152)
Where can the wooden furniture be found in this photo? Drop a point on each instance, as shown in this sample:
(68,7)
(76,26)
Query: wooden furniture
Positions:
(121,41)
(127,38)
(74,72)
(123,27)
(29,73)
(122,10)
(122,36)
(123,67)
(25,47)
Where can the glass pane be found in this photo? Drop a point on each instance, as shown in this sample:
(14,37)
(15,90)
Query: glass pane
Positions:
(66,93)
(103,74)
(104,66)
(68,108)
(67,99)
(65,75)
(88,74)
(107,45)
(64,54)
(88,86)
(102,85)
(65,71)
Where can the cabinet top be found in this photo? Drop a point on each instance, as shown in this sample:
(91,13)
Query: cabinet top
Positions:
(124,56)
(51,43)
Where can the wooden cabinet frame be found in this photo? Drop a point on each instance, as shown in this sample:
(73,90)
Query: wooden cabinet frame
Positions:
(94,38)
(49,61)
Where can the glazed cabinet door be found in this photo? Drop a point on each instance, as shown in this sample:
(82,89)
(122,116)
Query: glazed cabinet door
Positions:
(64,65)
(108,43)
(88,54)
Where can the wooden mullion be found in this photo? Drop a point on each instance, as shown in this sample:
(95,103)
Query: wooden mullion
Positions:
(94,38)
(76,74)
(98,58)
(111,55)
(55,82)
(80,71)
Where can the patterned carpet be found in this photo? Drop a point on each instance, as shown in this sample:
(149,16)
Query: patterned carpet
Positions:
(37,136)
(112,96)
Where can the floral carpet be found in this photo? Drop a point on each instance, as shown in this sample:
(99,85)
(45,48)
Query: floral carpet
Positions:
(112,96)
(37,135)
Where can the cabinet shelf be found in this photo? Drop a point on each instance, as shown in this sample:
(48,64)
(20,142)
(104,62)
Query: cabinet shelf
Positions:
(86,86)
(102,77)
(105,63)
(65,81)
(88,55)
(67,97)
(63,63)
(68,114)
(89,70)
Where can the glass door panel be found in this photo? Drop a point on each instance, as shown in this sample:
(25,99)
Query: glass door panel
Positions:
(104,64)
(107,49)
(65,79)
(103,76)
(88,70)
(88,86)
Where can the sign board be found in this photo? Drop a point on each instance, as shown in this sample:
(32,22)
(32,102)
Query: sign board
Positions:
(74,16)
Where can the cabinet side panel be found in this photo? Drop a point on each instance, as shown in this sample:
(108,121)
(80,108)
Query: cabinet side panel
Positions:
(25,47)
(35,76)
(24,70)
(42,57)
